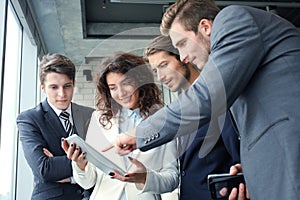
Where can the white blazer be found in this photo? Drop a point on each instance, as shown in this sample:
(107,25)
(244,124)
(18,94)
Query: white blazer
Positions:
(161,164)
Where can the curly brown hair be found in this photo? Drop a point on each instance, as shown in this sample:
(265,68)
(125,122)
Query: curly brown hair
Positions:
(135,68)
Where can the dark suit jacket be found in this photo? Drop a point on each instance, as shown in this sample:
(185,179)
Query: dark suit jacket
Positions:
(194,169)
(41,128)
(253,69)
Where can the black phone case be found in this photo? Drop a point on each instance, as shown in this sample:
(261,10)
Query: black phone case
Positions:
(218,181)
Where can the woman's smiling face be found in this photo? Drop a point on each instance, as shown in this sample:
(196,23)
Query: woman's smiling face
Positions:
(123,90)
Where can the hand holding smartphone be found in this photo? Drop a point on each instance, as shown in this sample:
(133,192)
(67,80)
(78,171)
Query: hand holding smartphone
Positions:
(218,181)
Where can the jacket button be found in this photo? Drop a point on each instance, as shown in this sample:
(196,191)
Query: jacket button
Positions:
(78,191)
(183,173)
(147,140)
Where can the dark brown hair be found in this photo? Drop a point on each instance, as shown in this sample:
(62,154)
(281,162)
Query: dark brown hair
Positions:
(161,43)
(164,44)
(56,63)
(135,68)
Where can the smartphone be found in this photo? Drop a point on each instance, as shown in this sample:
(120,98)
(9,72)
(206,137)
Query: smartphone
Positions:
(218,181)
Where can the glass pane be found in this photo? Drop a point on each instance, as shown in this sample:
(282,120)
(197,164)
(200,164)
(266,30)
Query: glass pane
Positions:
(28,84)
(2,22)
(10,107)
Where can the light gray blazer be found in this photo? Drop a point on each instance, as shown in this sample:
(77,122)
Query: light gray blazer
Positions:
(161,164)
(253,69)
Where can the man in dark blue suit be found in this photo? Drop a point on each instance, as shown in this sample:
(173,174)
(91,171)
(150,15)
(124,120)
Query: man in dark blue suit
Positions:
(41,130)
(177,76)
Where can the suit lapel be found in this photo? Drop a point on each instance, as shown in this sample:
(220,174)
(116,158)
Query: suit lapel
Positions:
(52,120)
(77,120)
(112,134)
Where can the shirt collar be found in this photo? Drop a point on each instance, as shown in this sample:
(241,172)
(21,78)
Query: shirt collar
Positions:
(132,113)
(58,111)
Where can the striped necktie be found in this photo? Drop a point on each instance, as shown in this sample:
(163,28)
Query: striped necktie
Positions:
(67,124)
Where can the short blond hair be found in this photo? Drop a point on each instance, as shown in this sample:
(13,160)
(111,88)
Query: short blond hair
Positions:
(188,13)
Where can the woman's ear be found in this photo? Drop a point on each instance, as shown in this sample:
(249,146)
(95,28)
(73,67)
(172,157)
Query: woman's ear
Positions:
(204,27)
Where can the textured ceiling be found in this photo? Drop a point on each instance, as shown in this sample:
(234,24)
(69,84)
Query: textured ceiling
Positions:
(83,29)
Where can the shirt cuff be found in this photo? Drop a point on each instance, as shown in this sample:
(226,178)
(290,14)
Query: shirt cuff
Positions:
(73,180)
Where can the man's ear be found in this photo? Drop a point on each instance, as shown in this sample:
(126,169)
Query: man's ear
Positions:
(205,26)
(43,87)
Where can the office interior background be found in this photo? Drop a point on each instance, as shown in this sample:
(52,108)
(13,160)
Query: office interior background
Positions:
(85,31)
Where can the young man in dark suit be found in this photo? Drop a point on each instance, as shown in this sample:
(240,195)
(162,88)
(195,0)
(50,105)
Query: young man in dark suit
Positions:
(178,76)
(41,129)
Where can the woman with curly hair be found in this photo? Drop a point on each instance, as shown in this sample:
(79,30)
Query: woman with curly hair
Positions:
(126,95)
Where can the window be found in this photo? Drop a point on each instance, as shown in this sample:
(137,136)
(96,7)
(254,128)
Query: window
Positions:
(19,92)
(10,105)
(28,97)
